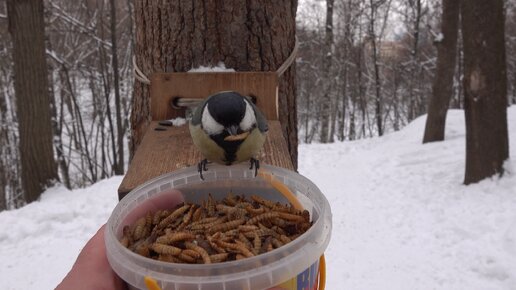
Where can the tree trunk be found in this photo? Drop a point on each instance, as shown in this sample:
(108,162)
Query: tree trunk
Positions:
(119,157)
(244,35)
(442,88)
(485,89)
(26,26)
(327,59)
(377,83)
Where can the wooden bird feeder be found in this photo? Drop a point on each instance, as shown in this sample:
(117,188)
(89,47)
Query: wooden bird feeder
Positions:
(161,152)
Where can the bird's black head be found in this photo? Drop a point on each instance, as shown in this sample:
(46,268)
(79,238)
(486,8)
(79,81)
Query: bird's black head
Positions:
(227,113)
(227,108)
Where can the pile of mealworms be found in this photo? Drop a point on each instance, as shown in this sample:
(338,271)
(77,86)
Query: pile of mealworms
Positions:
(215,231)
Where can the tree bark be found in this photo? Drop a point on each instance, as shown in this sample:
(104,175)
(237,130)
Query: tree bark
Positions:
(377,82)
(442,88)
(26,26)
(175,36)
(119,157)
(485,89)
(326,101)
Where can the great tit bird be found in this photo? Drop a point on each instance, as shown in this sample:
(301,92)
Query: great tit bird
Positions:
(228,128)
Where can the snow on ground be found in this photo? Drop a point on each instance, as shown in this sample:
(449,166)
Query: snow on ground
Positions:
(40,242)
(403,220)
(401,217)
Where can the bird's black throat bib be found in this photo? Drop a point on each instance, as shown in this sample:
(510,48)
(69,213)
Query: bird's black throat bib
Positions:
(230,147)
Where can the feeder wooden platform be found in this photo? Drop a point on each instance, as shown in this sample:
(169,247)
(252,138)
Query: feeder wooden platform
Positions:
(162,152)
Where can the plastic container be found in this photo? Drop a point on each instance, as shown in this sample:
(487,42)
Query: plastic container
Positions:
(292,266)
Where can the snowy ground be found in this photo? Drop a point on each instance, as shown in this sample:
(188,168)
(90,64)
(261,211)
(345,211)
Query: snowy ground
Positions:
(402,219)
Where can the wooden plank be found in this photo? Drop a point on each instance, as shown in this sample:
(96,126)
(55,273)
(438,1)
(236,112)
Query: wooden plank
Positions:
(166,86)
(161,152)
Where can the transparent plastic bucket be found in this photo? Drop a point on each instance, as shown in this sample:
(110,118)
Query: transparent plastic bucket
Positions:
(292,266)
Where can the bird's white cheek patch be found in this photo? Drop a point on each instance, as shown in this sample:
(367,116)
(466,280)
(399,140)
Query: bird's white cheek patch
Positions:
(249,118)
(210,126)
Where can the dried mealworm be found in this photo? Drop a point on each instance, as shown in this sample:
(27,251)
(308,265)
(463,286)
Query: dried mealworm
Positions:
(142,249)
(200,250)
(210,205)
(260,233)
(239,257)
(243,248)
(279,222)
(217,258)
(276,243)
(125,241)
(263,201)
(230,199)
(186,258)
(261,217)
(278,230)
(169,258)
(175,237)
(197,214)
(285,239)
(139,228)
(225,209)
(291,217)
(257,244)
(191,253)
(244,240)
(174,215)
(157,217)
(270,247)
(187,217)
(231,233)
(265,245)
(255,211)
(215,246)
(247,228)
(165,249)
(226,226)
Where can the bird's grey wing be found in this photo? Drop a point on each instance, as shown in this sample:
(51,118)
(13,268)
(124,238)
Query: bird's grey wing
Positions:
(261,121)
(197,113)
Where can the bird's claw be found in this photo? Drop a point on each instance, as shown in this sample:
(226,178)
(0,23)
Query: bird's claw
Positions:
(256,164)
(202,166)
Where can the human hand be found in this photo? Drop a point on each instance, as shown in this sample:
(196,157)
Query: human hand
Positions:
(91,270)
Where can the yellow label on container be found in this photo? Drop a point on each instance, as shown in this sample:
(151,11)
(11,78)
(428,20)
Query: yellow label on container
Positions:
(306,280)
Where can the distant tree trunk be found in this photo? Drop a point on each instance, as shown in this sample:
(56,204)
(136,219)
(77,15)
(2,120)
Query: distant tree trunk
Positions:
(119,157)
(377,84)
(326,83)
(4,140)
(485,88)
(26,26)
(414,65)
(245,35)
(344,99)
(442,88)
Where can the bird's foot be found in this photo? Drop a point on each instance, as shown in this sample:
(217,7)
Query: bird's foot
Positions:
(256,164)
(202,166)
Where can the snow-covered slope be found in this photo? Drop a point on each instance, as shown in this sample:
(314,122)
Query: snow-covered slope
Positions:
(402,218)
(40,242)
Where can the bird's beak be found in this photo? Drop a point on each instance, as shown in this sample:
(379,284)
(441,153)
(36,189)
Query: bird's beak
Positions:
(232,130)
(233,134)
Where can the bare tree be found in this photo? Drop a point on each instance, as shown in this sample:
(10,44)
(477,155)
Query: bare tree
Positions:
(485,85)
(119,157)
(442,88)
(26,26)
(326,100)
